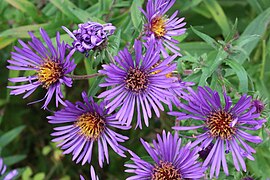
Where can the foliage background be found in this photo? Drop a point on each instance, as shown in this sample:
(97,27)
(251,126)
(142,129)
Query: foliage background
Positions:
(227,45)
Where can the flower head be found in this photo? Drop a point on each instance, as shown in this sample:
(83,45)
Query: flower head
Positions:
(6,175)
(222,125)
(93,174)
(49,64)
(162,27)
(86,124)
(90,35)
(137,85)
(170,160)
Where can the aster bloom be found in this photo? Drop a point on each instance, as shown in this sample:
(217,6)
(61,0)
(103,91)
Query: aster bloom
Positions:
(170,160)
(90,35)
(49,64)
(86,124)
(222,125)
(162,27)
(6,175)
(139,85)
(93,174)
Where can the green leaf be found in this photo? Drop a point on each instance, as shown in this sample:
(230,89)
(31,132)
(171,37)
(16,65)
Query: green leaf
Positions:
(136,15)
(27,173)
(256,5)
(218,15)
(208,71)
(13,159)
(66,6)
(5,41)
(257,27)
(206,38)
(241,74)
(84,16)
(39,176)
(6,138)
(21,32)
(26,7)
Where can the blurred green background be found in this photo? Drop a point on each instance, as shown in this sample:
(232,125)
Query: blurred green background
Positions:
(227,46)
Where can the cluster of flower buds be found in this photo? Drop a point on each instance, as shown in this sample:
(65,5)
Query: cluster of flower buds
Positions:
(90,35)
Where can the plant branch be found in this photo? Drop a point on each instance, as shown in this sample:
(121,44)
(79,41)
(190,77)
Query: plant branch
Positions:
(81,77)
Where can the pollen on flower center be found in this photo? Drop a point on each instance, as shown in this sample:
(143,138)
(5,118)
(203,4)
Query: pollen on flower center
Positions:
(165,171)
(219,124)
(136,80)
(91,125)
(49,73)
(158,26)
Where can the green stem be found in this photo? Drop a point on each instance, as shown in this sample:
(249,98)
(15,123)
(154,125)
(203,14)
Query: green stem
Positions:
(263,59)
(82,77)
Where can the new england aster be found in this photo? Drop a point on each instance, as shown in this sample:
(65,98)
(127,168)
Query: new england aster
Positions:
(6,175)
(222,125)
(86,124)
(170,160)
(90,35)
(49,65)
(162,27)
(138,85)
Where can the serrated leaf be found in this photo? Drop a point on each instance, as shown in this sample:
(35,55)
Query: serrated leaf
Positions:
(136,15)
(6,138)
(241,74)
(210,41)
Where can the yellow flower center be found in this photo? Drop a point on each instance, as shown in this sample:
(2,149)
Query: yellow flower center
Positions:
(219,124)
(158,26)
(91,125)
(165,171)
(49,73)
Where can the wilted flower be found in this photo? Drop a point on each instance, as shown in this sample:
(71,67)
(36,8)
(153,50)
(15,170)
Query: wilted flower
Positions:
(162,27)
(137,85)
(93,174)
(222,125)
(87,124)
(6,175)
(170,160)
(49,64)
(90,35)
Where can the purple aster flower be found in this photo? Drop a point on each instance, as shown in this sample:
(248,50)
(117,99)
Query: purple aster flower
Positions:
(6,175)
(170,160)
(49,64)
(162,27)
(137,85)
(90,35)
(222,125)
(93,174)
(86,124)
